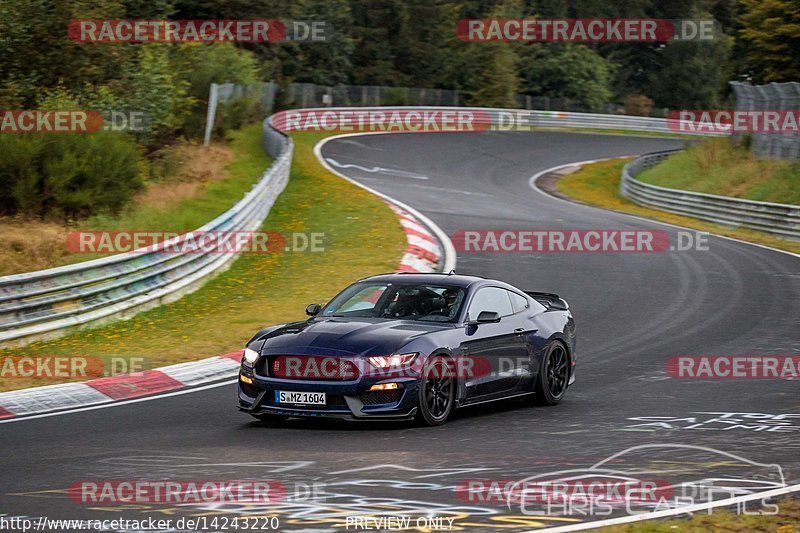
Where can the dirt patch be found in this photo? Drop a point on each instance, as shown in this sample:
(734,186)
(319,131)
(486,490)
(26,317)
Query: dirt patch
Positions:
(191,167)
(27,245)
(547,183)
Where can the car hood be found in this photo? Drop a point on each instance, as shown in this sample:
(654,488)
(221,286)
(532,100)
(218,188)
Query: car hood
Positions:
(340,336)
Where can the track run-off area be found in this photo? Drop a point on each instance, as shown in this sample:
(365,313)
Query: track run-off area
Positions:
(626,417)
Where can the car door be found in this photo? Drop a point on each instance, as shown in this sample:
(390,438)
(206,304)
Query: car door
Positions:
(496,349)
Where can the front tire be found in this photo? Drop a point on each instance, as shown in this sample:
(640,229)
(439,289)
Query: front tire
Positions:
(437,391)
(551,383)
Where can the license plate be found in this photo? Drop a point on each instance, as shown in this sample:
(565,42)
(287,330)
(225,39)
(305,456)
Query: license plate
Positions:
(304,398)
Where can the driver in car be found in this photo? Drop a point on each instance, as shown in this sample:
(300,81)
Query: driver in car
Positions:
(450,298)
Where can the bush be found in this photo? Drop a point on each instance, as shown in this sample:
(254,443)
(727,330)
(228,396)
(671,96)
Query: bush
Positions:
(397,96)
(235,114)
(62,176)
(200,65)
(156,89)
(564,70)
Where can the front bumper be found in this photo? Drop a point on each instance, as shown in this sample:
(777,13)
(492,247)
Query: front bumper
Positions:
(349,400)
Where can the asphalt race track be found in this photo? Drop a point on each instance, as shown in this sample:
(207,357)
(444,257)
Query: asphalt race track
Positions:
(633,310)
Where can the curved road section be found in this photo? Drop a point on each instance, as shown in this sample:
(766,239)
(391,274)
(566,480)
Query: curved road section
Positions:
(630,420)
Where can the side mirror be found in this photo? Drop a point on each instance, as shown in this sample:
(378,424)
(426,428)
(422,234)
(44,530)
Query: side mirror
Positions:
(486,317)
(313,309)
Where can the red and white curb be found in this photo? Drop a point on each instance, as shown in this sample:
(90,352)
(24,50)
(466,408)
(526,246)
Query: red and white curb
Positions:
(423,253)
(39,400)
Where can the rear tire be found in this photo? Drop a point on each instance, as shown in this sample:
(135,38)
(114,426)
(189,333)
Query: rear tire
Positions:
(551,383)
(437,391)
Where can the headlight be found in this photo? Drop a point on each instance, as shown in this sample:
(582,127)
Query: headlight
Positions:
(250,355)
(390,361)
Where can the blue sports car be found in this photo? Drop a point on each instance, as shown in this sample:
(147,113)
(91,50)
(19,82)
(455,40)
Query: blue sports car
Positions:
(411,346)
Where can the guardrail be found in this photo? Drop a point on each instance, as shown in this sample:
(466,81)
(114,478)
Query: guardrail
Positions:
(778,219)
(522,119)
(565,119)
(41,304)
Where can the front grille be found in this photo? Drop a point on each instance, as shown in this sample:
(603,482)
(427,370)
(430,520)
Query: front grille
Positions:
(336,400)
(381,396)
(312,368)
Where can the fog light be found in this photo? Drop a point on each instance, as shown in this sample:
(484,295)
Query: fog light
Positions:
(246,379)
(384,386)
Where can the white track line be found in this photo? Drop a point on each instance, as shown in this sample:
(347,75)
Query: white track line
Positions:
(118,403)
(449,250)
(532,184)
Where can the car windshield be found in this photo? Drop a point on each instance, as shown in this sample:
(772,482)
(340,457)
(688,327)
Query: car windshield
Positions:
(390,301)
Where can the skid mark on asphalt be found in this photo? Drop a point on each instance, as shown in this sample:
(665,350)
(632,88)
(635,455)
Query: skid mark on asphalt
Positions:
(318,495)
(378,170)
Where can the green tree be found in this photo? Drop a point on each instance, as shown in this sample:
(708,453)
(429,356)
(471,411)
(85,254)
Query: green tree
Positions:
(567,70)
(201,64)
(498,83)
(496,65)
(378,25)
(429,44)
(328,62)
(770,31)
(692,74)
(155,88)
(37,52)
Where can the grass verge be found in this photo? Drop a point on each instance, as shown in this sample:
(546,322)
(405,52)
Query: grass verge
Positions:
(362,237)
(716,166)
(598,184)
(787,520)
(197,183)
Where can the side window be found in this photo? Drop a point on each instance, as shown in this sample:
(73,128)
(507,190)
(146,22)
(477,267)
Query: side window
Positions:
(518,303)
(490,299)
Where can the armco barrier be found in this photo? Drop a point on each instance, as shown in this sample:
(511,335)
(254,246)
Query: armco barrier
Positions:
(510,119)
(43,303)
(778,219)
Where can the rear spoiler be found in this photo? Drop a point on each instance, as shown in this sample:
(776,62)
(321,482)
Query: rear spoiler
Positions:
(549,300)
